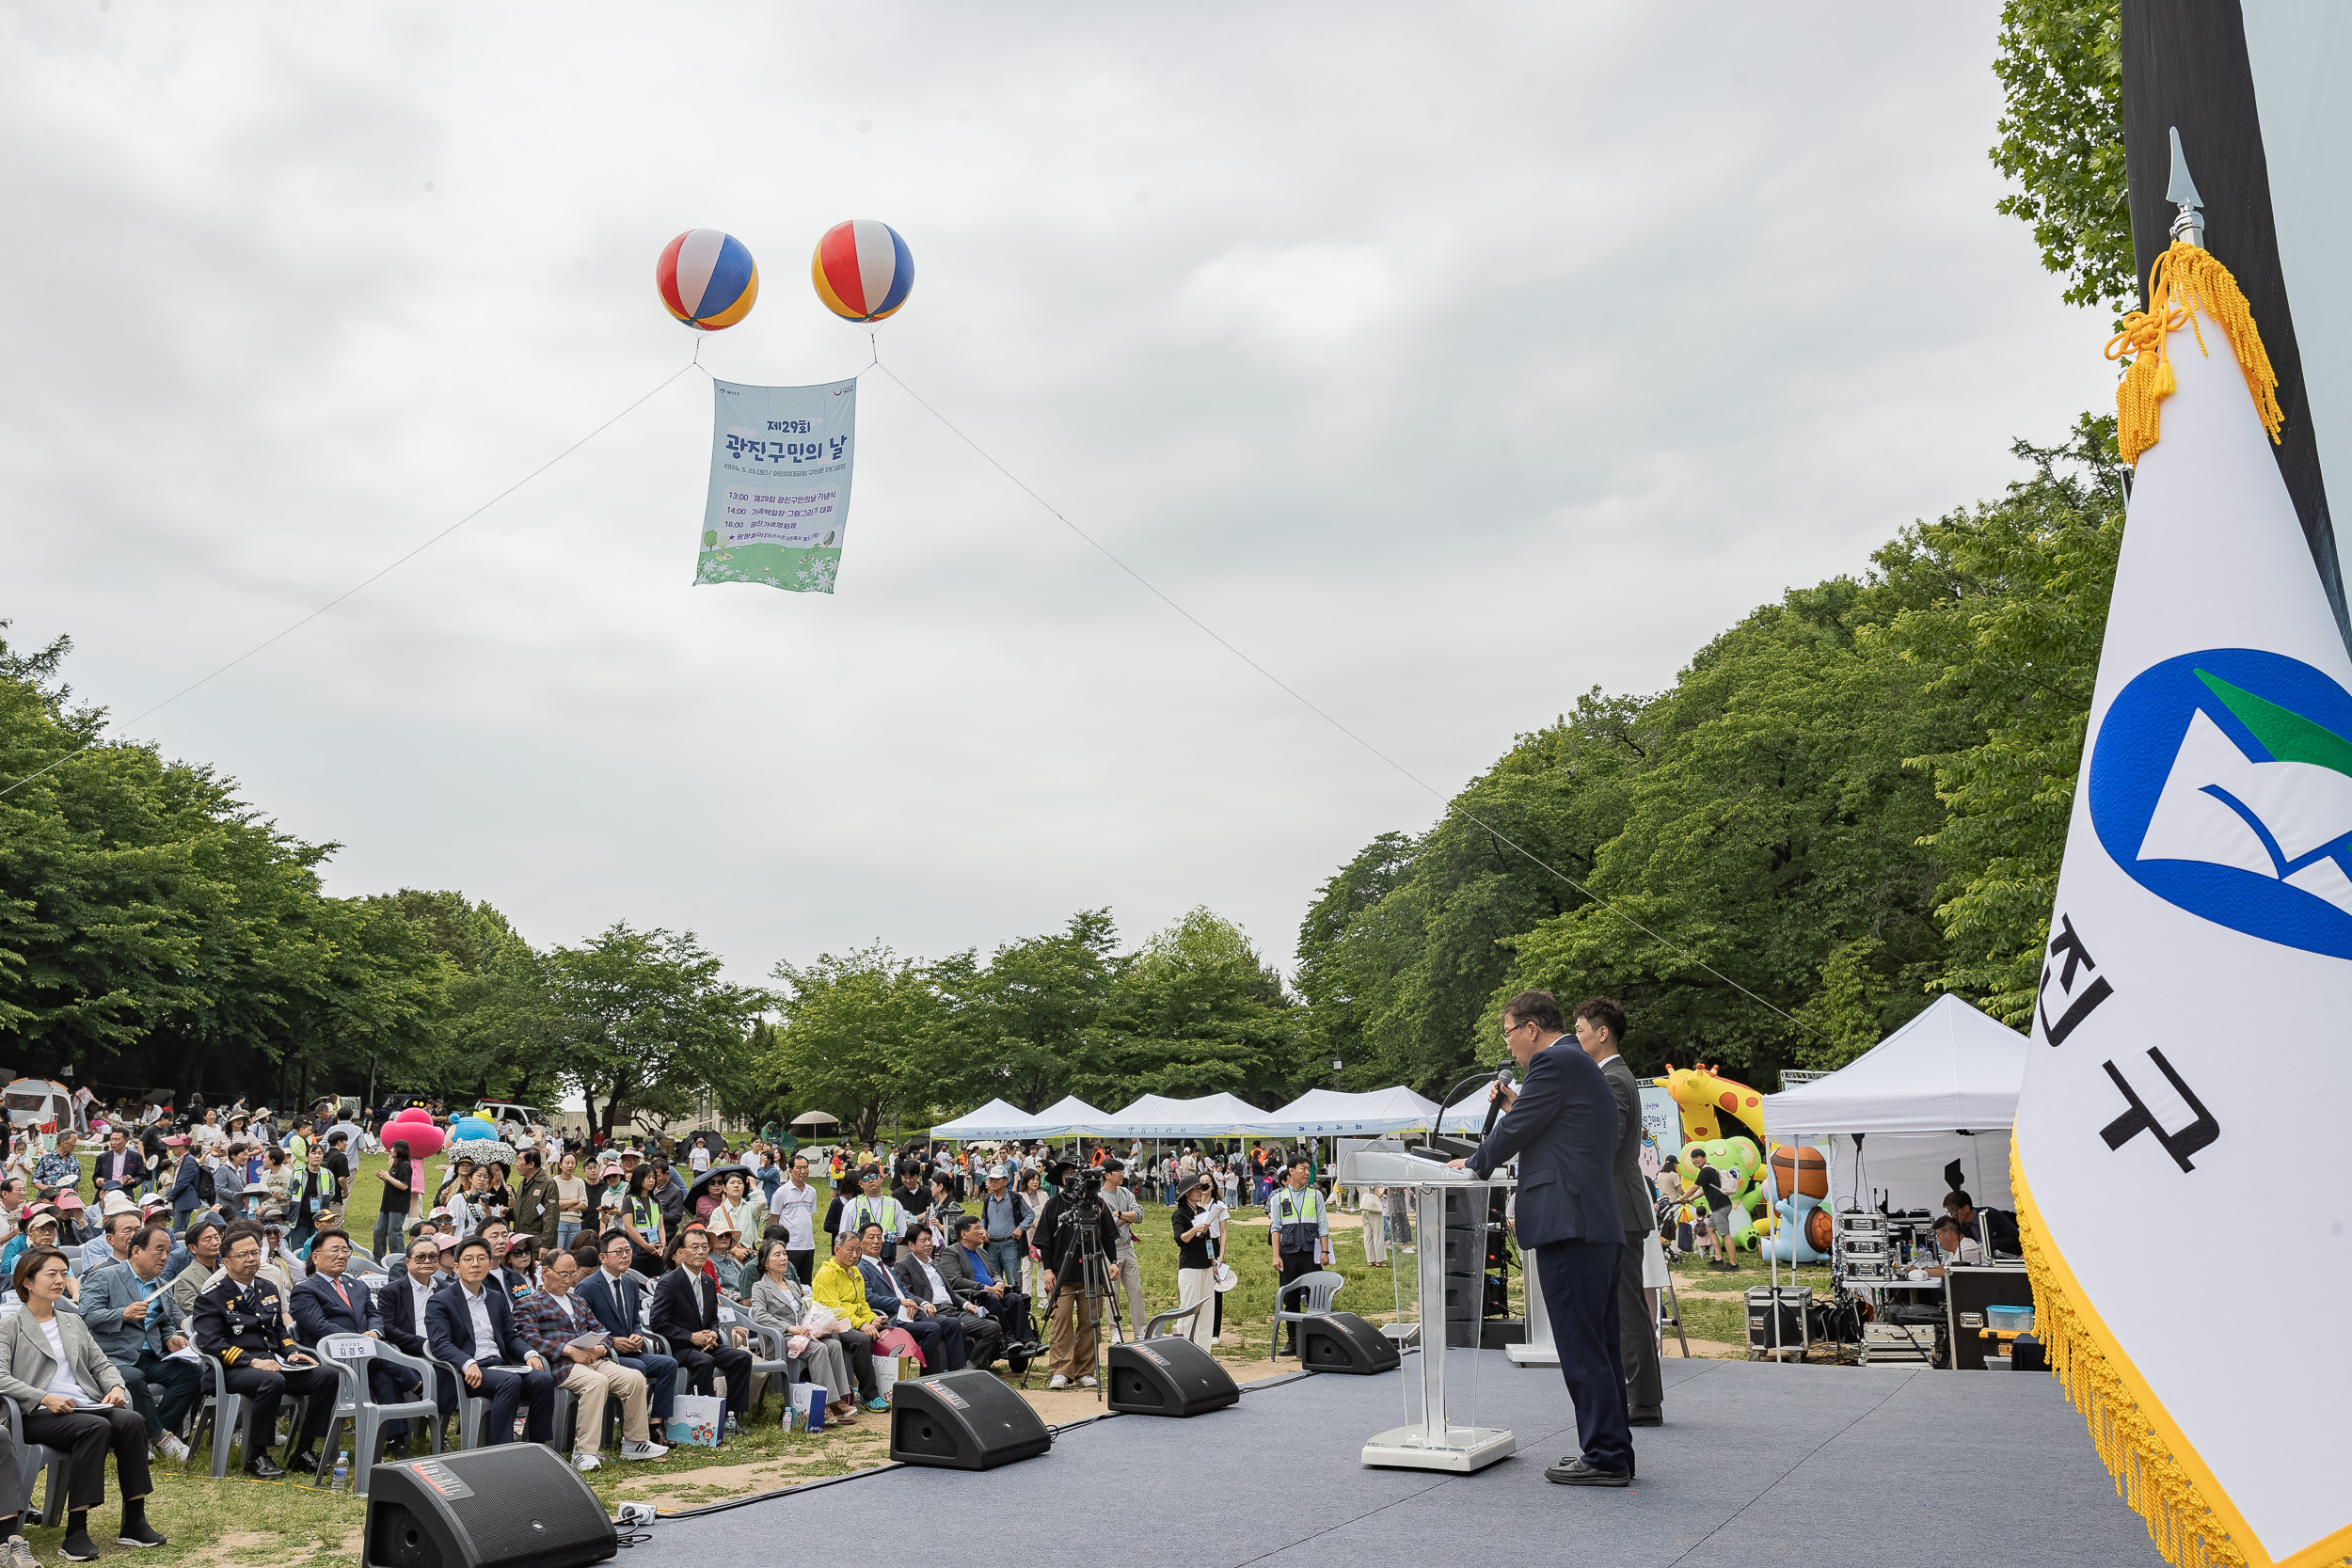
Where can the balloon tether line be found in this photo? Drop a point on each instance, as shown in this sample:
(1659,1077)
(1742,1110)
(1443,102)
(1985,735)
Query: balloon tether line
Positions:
(372,577)
(1498,835)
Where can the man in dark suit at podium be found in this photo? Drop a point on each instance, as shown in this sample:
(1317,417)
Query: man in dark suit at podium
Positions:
(1563,1126)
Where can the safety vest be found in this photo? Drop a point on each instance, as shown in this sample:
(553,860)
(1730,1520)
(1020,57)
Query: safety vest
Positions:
(883,1211)
(1297,1218)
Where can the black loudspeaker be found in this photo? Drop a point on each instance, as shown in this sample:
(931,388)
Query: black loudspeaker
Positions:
(515,1506)
(1343,1342)
(963,1421)
(1168,1376)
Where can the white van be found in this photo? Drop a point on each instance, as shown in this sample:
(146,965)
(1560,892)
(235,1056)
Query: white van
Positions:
(516,1123)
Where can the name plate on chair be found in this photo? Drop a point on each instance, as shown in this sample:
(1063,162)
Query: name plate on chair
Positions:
(348,1347)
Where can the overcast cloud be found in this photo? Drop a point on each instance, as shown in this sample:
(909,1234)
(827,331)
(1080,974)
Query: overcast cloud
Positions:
(1450,361)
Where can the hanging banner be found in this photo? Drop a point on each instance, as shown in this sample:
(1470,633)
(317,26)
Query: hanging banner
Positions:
(779,504)
(2200,953)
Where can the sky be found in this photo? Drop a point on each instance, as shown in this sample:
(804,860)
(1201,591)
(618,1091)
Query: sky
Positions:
(1447,363)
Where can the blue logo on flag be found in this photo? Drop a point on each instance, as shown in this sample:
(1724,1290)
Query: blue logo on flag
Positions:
(2222,783)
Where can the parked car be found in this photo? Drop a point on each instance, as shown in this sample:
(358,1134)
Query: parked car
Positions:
(518,1123)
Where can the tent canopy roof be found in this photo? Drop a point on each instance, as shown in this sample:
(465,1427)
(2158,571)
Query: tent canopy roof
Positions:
(1065,1117)
(1468,1115)
(1951,1068)
(1208,1115)
(1323,1112)
(995,1119)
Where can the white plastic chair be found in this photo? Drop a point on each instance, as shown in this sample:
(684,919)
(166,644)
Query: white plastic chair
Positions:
(775,1368)
(473,1405)
(34,1459)
(565,1421)
(225,1412)
(357,1408)
(1166,1323)
(1318,1289)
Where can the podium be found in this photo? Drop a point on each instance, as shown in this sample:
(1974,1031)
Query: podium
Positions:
(1435,1442)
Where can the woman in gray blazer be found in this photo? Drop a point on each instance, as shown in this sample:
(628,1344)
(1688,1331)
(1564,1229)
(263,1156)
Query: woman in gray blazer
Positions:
(69,1397)
(777,1301)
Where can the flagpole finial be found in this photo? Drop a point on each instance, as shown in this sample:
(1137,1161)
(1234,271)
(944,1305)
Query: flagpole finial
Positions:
(2189,224)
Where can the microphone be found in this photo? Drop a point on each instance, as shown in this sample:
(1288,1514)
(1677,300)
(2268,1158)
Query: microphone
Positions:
(1505,1076)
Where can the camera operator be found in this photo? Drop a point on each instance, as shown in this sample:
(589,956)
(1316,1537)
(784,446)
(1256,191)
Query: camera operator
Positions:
(1073,1212)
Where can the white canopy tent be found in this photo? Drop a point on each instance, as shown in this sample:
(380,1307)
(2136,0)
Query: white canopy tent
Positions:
(1068,1116)
(1329,1113)
(1942,1088)
(1466,1116)
(1208,1115)
(995,1119)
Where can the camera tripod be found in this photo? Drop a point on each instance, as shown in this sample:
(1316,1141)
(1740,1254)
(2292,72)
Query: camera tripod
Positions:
(1094,1277)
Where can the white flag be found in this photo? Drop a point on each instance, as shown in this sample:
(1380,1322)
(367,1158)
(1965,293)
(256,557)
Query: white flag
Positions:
(2198,985)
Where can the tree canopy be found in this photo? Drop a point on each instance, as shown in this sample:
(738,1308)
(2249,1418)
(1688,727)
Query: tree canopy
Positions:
(1854,799)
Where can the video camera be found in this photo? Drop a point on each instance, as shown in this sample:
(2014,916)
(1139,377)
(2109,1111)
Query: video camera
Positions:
(1080,1184)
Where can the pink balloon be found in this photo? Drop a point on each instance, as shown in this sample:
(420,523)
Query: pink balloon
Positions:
(423,1138)
(414,1113)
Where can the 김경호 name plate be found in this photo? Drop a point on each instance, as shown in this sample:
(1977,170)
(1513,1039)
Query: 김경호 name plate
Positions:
(1462,1449)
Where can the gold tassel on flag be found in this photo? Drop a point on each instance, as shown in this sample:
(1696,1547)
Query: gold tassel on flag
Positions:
(2151,1481)
(2184,279)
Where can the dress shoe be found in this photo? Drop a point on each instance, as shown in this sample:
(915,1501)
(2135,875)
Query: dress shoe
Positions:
(1575,1472)
(262,1469)
(1645,1417)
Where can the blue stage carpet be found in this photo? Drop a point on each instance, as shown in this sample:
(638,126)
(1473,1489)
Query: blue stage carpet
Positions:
(1758,1465)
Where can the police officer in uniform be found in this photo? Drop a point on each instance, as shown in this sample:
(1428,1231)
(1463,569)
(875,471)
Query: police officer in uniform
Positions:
(240,1319)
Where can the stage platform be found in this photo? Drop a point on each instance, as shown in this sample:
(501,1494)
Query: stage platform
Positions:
(1758,1466)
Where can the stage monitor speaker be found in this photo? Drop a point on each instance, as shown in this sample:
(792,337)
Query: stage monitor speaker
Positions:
(515,1506)
(963,1421)
(1343,1342)
(1168,1376)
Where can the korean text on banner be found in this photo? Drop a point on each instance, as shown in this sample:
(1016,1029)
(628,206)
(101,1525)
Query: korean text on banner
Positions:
(779,503)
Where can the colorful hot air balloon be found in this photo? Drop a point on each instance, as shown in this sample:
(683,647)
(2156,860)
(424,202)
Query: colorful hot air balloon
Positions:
(706,278)
(863,270)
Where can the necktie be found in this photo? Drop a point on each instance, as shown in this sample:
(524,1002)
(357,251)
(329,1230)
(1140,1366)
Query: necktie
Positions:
(342,1294)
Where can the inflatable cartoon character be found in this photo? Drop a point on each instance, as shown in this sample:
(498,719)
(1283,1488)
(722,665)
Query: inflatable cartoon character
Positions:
(1714,1106)
(1796,1183)
(1737,1161)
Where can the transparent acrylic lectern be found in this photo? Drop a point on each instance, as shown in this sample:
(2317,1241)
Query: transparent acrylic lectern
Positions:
(1433,1442)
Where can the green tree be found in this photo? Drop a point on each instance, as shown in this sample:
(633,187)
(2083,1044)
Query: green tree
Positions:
(2014,641)
(1026,1020)
(644,1020)
(2062,139)
(1194,1011)
(155,926)
(1772,824)
(1401,953)
(491,1038)
(859,1030)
